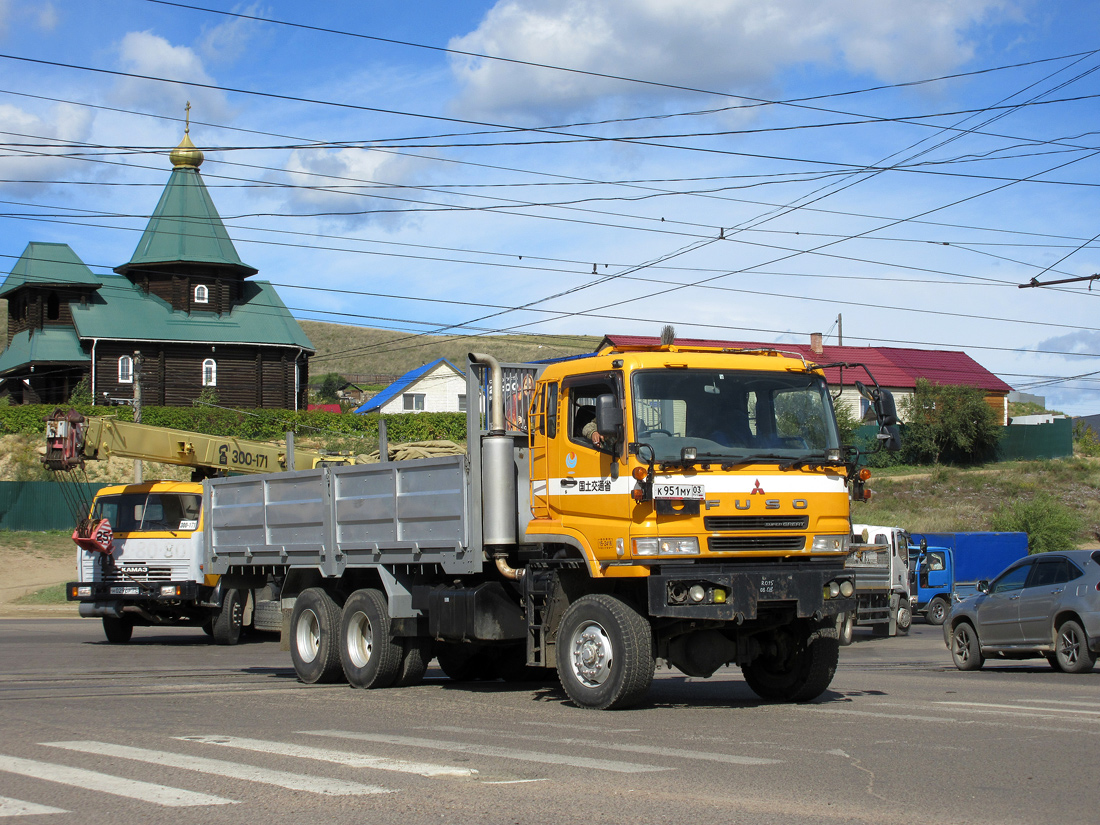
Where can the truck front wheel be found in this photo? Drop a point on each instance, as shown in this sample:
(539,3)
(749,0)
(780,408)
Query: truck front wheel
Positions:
(370,655)
(227,624)
(937,611)
(117,631)
(314,637)
(795,668)
(604,653)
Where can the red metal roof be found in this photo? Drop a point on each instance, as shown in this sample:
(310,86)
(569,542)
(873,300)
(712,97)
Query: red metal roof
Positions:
(892,366)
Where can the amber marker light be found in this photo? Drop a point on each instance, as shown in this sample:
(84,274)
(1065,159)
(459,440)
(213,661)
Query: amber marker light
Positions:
(864,474)
(639,473)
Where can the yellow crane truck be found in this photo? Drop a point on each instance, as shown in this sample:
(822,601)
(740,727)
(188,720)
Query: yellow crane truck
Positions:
(687,505)
(140,553)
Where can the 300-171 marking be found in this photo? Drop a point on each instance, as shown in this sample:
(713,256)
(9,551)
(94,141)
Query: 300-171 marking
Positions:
(243,458)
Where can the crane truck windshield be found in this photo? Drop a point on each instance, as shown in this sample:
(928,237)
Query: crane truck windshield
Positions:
(776,415)
(149,512)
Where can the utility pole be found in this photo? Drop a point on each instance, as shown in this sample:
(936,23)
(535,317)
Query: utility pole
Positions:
(839,330)
(137,408)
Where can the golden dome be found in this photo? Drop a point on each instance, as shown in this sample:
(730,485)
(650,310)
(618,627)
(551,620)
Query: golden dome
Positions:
(186,155)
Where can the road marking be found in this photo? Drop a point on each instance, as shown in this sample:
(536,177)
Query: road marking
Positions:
(114,785)
(904,716)
(1083,703)
(17,807)
(219,767)
(490,750)
(349,758)
(653,750)
(588,728)
(1011,710)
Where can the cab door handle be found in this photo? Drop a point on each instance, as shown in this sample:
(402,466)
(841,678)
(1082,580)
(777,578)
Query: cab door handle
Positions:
(568,482)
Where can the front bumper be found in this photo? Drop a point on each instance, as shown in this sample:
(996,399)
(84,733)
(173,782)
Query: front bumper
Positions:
(138,592)
(750,589)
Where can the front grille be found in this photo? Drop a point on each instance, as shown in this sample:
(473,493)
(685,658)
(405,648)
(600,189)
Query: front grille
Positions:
(716,523)
(723,544)
(151,574)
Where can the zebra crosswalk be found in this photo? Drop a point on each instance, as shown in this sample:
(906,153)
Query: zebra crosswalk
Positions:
(179,758)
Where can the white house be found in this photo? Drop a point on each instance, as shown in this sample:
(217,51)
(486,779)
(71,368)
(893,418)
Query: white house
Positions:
(436,387)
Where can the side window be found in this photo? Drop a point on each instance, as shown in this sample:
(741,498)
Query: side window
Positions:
(937,561)
(412,401)
(209,373)
(202,295)
(126,370)
(582,412)
(1011,580)
(552,411)
(1045,572)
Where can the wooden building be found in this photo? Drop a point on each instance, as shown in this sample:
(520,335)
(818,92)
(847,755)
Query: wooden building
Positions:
(184,309)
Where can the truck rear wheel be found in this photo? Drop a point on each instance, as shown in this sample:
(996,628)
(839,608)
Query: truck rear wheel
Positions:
(604,653)
(415,655)
(118,631)
(793,670)
(227,624)
(314,637)
(370,655)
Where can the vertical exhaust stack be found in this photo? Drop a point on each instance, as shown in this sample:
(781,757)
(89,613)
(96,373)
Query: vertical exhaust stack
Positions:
(498,475)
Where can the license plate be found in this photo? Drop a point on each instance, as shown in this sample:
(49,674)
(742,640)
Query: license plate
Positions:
(125,591)
(690,491)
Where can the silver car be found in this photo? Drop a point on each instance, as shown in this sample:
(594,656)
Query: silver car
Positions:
(1044,605)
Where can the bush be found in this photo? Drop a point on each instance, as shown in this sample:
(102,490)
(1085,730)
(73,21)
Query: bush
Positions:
(1049,524)
(951,425)
(1085,441)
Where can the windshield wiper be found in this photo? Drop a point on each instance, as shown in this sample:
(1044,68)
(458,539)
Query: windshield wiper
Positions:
(733,461)
(820,460)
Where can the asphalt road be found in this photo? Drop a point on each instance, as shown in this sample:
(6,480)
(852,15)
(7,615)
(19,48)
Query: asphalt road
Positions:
(172,729)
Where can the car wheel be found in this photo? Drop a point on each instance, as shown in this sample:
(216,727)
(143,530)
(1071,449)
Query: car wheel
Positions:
(117,631)
(1072,649)
(314,637)
(604,653)
(966,650)
(845,628)
(1052,660)
(371,657)
(937,612)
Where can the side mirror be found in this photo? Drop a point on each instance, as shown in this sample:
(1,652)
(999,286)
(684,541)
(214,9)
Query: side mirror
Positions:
(609,417)
(982,586)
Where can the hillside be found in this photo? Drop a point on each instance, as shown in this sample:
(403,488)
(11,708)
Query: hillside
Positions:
(359,351)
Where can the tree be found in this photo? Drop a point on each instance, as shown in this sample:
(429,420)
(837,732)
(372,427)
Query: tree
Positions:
(331,382)
(949,425)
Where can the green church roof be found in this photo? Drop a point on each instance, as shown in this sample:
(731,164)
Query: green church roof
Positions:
(122,311)
(52,345)
(48,264)
(186,228)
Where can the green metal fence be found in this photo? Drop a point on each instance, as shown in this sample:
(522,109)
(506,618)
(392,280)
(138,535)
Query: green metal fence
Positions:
(42,505)
(1024,441)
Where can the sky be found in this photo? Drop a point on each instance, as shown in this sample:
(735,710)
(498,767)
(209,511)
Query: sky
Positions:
(889,171)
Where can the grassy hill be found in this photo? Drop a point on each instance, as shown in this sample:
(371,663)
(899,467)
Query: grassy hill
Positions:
(354,351)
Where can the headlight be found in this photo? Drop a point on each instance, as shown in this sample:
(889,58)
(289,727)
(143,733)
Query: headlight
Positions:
(169,590)
(82,592)
(831,543)
(666,547)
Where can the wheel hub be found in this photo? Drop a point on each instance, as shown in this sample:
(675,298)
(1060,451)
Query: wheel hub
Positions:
(592,655)
(308,636)
(360,639)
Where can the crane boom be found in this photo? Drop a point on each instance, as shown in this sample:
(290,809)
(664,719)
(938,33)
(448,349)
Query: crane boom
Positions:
(72,439)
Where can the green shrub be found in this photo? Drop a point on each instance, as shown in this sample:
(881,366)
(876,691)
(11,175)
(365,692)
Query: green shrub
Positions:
(1085,441)
(949,424)
(1049,524)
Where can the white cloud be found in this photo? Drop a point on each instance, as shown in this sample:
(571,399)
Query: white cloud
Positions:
(47,17)
(5,16)
(62,124)
(354,181)
(145,53)
(226,42)
(724,45)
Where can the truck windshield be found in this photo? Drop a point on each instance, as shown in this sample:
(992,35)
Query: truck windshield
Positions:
(727,414)
(149,512)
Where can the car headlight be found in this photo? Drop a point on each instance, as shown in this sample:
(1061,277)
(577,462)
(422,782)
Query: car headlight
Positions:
(838,544)
(687,546)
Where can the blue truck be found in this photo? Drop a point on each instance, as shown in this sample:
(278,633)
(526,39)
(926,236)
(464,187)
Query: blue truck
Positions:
(946,567)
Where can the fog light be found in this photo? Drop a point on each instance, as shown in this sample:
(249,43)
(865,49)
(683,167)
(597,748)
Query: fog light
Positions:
(847,589)
(697,593)
(834,589)
(169,590)
(82,592)
(719,596)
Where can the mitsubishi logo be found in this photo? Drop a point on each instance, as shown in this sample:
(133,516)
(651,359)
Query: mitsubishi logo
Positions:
(757,490)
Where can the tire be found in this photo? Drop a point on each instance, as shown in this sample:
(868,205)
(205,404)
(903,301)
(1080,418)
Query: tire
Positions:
(314,637)
(370,656)
(415,655)
(1072,649)
(937,612)
(267,615)
(845,628)
(208,626)
(1052,660)
(604,653)
(904,620)
(798,672)
(227,624)
(117,631)
(966,649)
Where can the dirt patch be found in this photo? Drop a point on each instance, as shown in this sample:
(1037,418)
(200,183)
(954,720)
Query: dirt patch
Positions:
(26,573)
